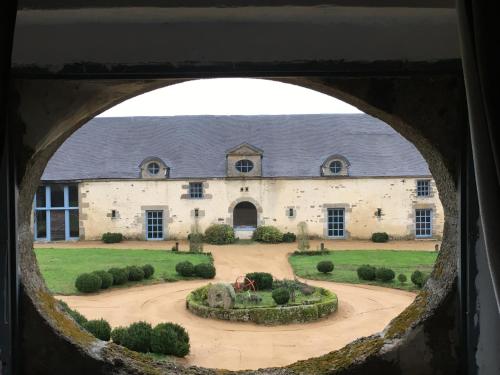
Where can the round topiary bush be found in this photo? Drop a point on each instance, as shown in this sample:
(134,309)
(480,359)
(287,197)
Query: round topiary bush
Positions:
(267,233)
(219,234)
(402,278)
(120,275)
(138,337)
(170,339)
(380,237)
(118,335)
(106,277)
(289,237)
(366,272)
(112,237)
(88,283)
(185,269)
(418,278)
(281,296)
(135,273)
(99,328)
(263,280)
(385,274)
(205,270)
(325,266)
(149,270)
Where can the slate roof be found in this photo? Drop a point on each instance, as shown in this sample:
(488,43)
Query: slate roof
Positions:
(195,146)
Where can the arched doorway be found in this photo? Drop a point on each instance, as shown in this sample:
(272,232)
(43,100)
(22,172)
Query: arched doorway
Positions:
(245,215)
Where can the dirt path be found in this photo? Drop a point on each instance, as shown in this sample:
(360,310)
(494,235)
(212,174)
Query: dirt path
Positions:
(363,310)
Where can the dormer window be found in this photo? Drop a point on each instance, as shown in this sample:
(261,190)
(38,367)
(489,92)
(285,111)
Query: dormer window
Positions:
(244,165)
(335,165)
(154,167)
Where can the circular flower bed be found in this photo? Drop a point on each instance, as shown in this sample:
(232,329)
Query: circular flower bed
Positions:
(306,304)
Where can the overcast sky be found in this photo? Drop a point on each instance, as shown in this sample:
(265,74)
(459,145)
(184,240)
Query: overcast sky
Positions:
(229,96)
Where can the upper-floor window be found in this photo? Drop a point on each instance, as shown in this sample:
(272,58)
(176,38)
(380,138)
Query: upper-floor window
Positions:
(153,168)
(244,165)
(195,190)
(336,167)
(423,188)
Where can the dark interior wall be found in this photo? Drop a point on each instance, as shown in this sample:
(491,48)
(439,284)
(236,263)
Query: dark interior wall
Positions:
(428,110)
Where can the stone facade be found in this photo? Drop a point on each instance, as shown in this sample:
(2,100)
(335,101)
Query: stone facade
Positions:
(370,205)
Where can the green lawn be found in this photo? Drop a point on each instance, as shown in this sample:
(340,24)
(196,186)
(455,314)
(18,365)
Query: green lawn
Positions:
(60,267)
(347,262)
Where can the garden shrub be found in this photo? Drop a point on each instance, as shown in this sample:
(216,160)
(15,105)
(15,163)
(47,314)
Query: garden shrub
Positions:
(402,278)
(99,328)
(418,278)
(120,276)
(385,274)
(118,335)
(79,318)
(138,337)
(112,237)
(185,268)
(106,278)
(380,237)
(135,273)
(88,283)
(366,272)
(267,233)
(325,266)
(263,280)
(170,339)
(281,296)
(219,234)
(148,270)
(205,270)
(311,252)
(289,237)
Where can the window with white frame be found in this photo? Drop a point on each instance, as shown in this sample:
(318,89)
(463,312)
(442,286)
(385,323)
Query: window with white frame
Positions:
(423,222)
(195,190)
(336,167)
(423,188)
(154,225)
(56,213)
(336,222)
(244,165)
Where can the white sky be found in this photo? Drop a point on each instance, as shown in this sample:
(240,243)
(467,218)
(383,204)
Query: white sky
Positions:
(229,96)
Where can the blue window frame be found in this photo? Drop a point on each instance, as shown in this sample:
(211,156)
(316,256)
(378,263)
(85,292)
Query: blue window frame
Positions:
(423,223)
(423,188)
(154,225)
(195,190)
(336,222)
(56,213)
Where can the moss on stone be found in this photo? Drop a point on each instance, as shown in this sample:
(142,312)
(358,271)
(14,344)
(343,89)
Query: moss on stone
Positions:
(341,359)
(408,317)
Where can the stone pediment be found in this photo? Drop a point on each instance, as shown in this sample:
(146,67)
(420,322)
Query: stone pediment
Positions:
(245,149)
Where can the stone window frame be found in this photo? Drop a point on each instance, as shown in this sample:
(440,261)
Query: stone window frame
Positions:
(187,192)
(347,210)
(164,169)
(413,220)
(167,219)
(244,168)
(325,167)
(287,212)
(428,188)
(196,190)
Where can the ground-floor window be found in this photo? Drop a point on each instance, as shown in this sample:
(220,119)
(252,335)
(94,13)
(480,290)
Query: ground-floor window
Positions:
(423,223)
(154,227)
(56,213)
(336,222)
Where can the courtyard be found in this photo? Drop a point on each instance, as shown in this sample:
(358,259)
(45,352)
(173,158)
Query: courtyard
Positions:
(362,310)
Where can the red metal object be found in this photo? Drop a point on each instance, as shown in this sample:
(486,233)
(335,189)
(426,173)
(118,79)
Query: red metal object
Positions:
(243,283)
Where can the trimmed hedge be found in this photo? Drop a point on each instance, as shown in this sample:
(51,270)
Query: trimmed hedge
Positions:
(289,237)
(267,233)
(311,252)
(380,237)
(118,335)
(88,283)
(267,315)
(120,275)
(385,274)
(170,339)
(205,270)
(418,278)
(402,278)
(281,296)
(185,269)
(138,337)
(219,234)
(79,318)
(106,278)
(263,280)
(135,273)
(112,237)
(148,270)
(325,266)
(367,272)
(99,328)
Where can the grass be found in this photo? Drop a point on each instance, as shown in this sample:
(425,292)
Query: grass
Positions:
(60,267)
(347,262)
(268,301)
